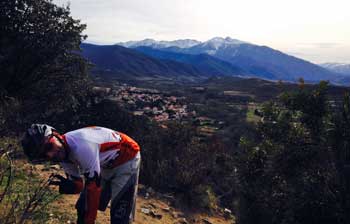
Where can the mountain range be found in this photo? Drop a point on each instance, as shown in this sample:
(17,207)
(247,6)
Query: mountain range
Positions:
(340,68)
(215,57)
(185,43)
(118,60)
(206,64)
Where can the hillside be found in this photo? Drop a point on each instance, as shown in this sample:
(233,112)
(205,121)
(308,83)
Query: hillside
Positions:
(203,62)
(129,63)
(152,207)
(340,68)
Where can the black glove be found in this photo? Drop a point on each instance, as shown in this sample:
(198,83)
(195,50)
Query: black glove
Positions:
(66,186)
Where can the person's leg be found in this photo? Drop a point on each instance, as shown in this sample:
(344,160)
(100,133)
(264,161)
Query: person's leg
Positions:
(106,193)
(123,184)
(80,207)
(132,217)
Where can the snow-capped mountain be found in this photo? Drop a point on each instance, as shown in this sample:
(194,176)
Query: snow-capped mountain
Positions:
(212,44)
(340,68)
(255,60)
(260,61)
(185,43)
(218,42)
(206,64)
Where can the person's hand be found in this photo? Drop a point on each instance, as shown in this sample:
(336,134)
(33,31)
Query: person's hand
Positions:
(66,186)
(55,182)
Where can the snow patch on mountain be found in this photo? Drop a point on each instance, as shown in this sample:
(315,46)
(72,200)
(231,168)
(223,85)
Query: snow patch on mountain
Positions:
(183,43)
(341,68)
(218,42)
(213,44)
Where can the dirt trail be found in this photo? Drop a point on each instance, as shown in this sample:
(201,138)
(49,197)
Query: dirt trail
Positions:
(152,208)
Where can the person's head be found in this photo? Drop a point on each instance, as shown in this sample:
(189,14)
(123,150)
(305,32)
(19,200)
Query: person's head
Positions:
(43,142)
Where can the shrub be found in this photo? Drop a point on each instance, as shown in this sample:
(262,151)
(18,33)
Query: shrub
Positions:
(288,174)
(23,196)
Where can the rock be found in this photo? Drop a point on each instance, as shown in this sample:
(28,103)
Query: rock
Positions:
(145,211)
(150,191)
(227,213)
(183,221)
(168,196)
(152,205)
(174,215)
(146,195)
(55,167)
(206,221)
(166,209)
(154,214)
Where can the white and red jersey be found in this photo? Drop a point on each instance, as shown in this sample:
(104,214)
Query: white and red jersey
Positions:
(93,148)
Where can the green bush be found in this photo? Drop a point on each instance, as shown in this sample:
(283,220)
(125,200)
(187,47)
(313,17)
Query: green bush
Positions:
(23,195)
(42,72)
(204,197)
(289,174)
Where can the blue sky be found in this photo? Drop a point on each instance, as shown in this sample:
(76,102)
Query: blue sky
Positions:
(315,30)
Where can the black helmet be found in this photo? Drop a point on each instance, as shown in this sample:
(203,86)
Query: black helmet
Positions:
(34,138)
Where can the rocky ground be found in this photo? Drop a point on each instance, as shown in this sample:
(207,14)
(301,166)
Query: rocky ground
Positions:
(152,208)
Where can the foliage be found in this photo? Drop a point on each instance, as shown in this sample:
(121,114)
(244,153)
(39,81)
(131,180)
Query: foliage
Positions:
(340,142)
(288,174)
(23,196)
(204,197)
(174,159)
(36,37)
(42,73)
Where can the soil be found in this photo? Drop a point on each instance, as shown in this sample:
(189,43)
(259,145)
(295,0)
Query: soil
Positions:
(151,208)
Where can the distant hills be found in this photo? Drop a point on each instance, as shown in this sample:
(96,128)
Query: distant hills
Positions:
(215,57)
(340,68)
(258,61)
(114,59)
(208,65)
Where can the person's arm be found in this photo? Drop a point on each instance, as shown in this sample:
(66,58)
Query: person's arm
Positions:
(90,165)
(73,184)
(92,197)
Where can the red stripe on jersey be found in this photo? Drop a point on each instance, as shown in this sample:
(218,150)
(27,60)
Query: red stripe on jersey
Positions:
(109,146)
(128,149)
(65,143)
